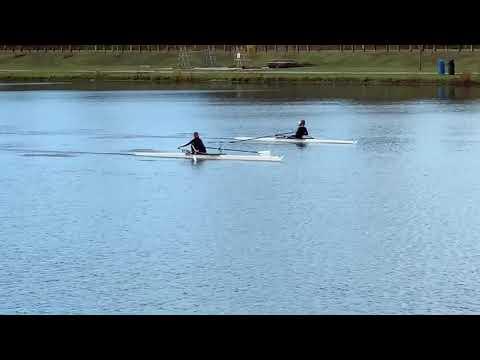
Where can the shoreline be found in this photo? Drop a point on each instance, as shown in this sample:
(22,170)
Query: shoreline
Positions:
(240,76)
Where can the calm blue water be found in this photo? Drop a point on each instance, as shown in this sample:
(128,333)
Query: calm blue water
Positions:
(389,225)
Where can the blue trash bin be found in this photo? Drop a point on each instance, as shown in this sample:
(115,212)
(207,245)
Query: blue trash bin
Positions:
(441,67)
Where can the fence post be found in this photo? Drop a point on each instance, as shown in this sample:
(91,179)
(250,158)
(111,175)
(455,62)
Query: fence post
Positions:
(420,60)
(471,47)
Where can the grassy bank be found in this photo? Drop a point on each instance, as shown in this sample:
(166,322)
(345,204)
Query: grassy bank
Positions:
(329,66)
(240,76)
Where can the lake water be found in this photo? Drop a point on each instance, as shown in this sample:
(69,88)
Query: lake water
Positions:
(390,225)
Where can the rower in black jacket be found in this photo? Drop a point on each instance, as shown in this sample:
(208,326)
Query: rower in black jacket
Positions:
(301,131)
(196,145)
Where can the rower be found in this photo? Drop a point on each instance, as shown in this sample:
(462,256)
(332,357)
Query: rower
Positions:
(196,145)
(301,131)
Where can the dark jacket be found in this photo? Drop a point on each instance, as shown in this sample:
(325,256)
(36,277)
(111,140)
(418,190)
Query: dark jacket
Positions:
(301,132)
(197,143)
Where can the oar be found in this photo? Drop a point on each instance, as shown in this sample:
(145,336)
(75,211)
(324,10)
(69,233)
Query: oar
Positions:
(245,151)
(259,137)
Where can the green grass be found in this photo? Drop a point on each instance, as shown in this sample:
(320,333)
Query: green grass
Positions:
(75,66)
(100,61)
(321,61)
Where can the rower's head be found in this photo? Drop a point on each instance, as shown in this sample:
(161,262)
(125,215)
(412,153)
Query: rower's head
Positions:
(195,135)
(302,123)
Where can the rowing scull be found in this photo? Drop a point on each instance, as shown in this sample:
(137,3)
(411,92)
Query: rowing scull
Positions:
(263,156)
(309,140)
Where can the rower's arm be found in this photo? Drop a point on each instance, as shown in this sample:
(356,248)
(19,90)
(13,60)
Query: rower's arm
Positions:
(185,144)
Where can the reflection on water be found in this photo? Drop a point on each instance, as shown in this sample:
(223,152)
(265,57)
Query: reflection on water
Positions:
(448,92)
(301,146)
(388,225)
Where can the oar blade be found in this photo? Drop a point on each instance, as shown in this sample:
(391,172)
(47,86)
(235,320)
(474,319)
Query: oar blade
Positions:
(259,137)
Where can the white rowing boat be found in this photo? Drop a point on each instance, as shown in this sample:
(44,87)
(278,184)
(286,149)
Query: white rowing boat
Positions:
(307,140)
(262,156)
